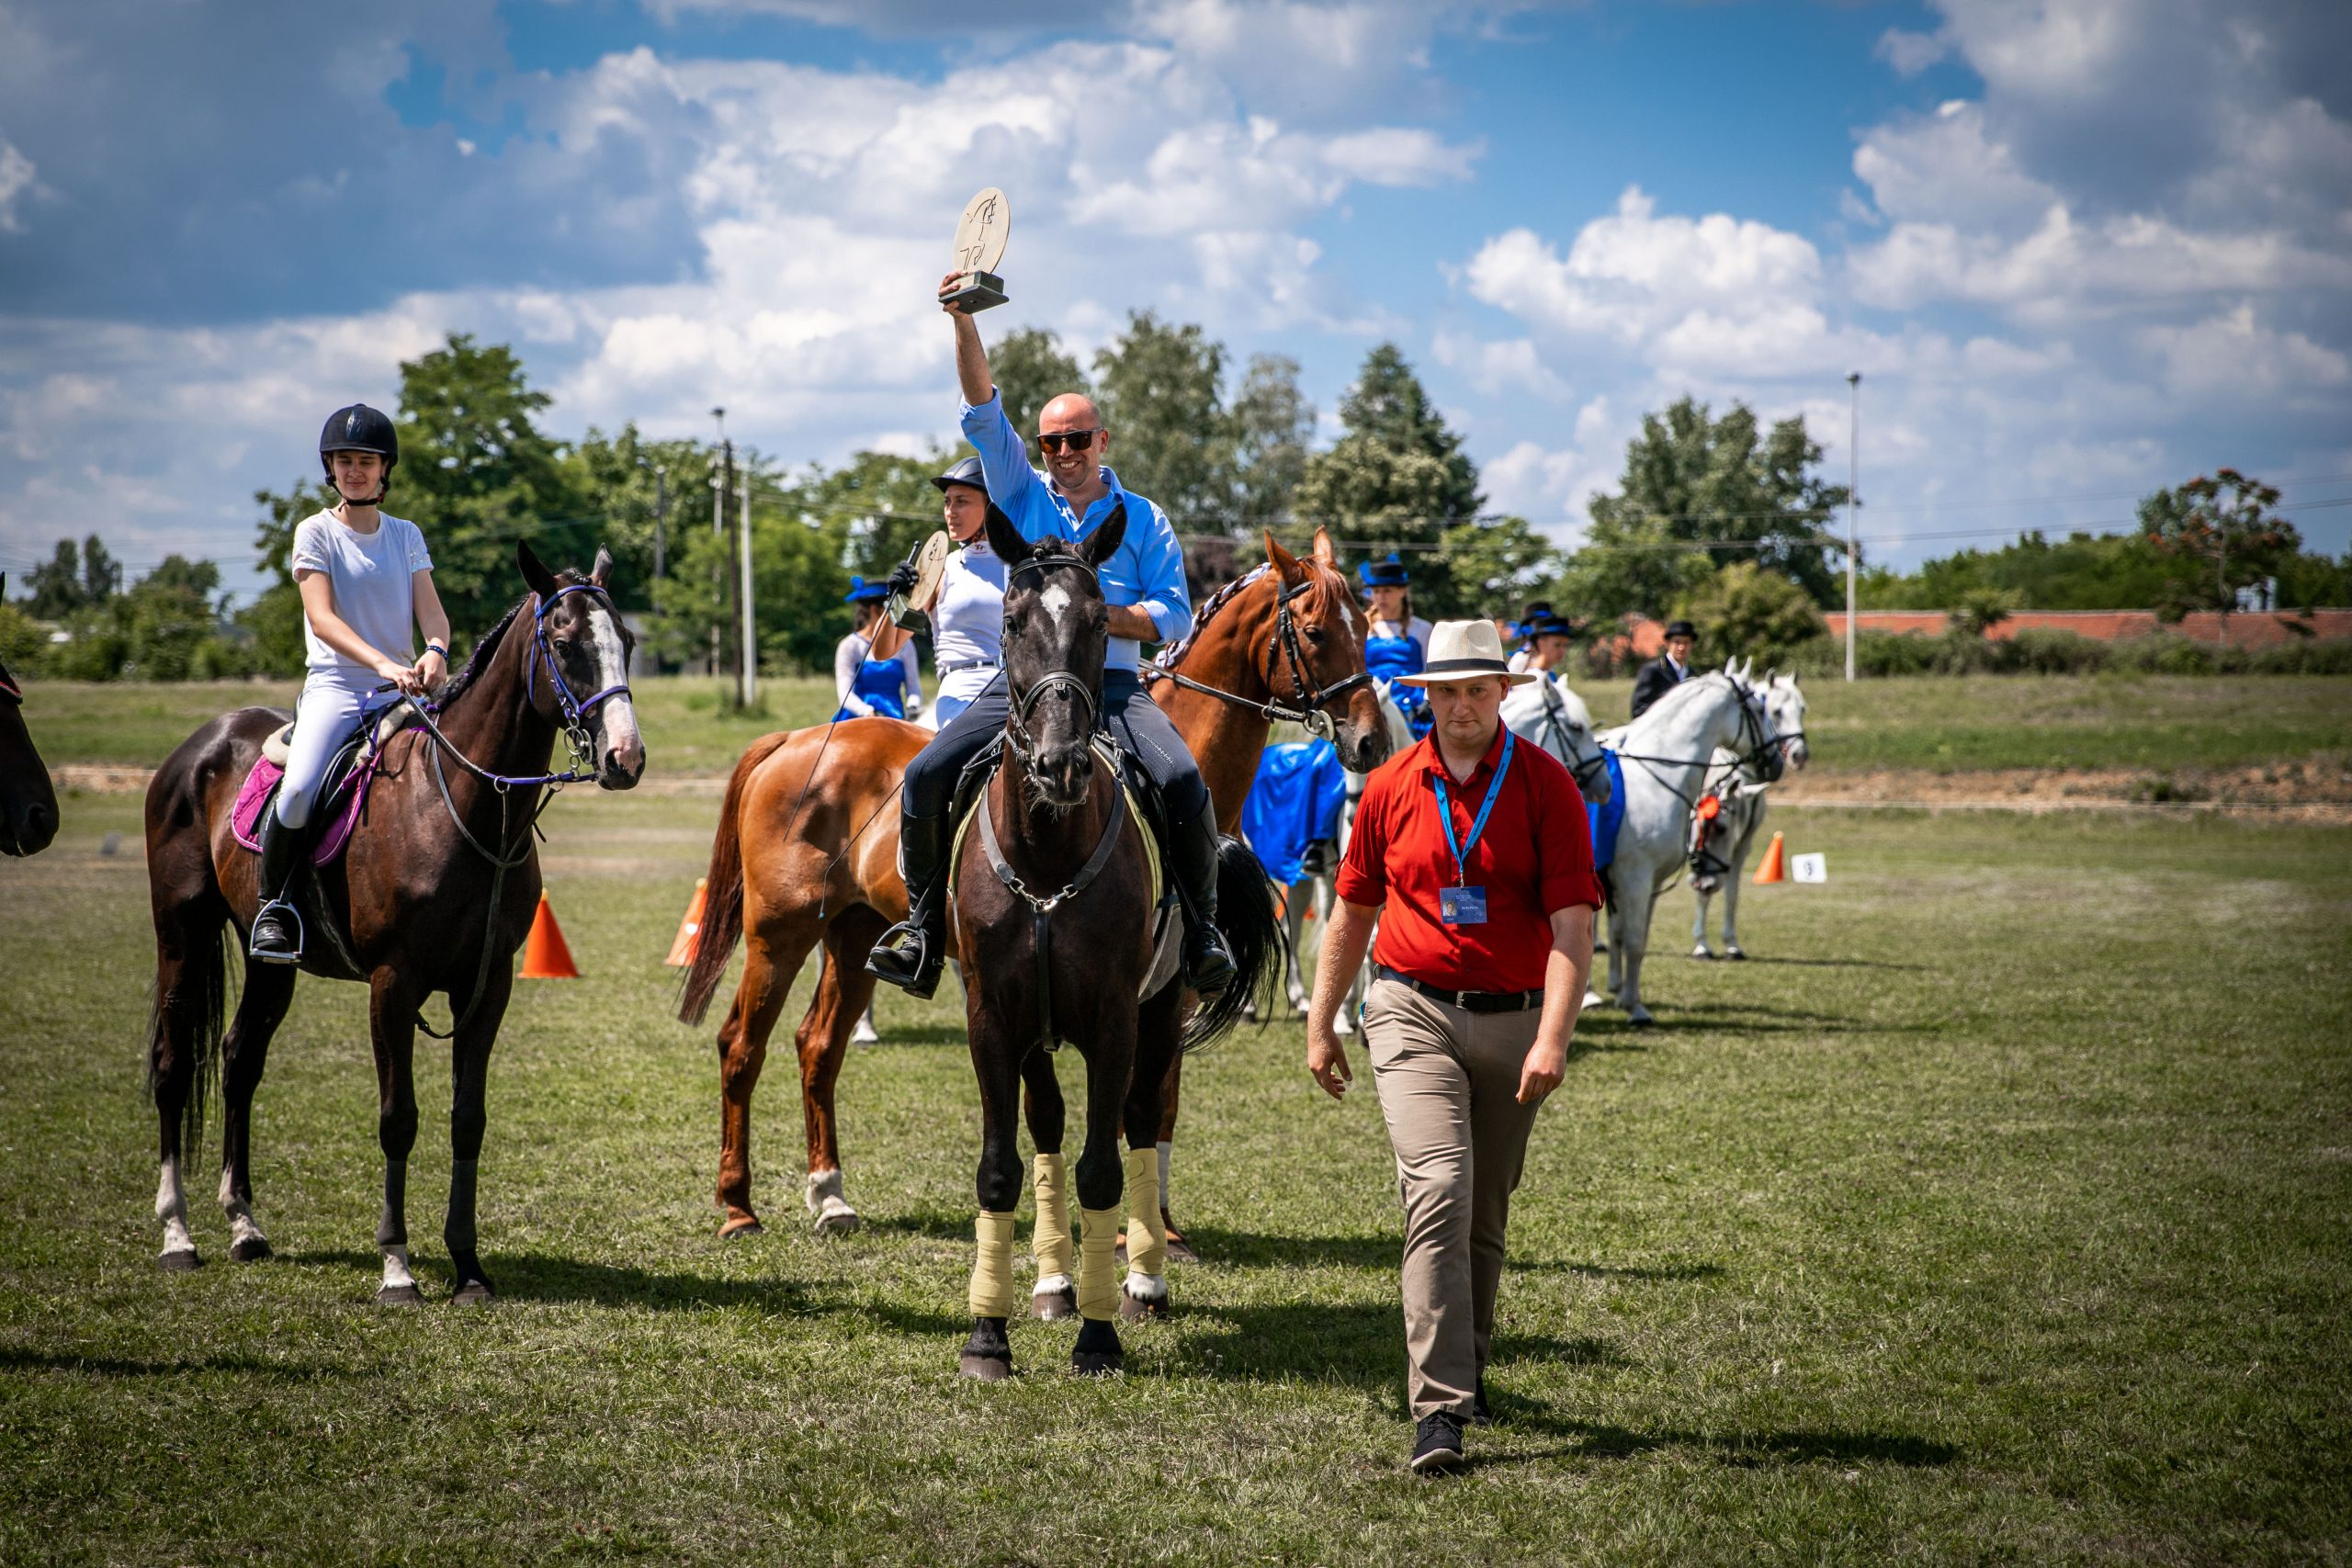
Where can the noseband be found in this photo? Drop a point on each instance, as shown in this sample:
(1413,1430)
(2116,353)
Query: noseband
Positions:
(1016,729)
(1310,705)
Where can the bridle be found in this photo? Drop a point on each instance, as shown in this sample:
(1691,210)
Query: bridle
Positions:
(1016,728)
(1555,720)
(574,709)
(1754,723)
(1310,705)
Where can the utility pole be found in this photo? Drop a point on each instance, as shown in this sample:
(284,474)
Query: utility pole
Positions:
(722,465)
(747,683)
(660,512)
(1853,500)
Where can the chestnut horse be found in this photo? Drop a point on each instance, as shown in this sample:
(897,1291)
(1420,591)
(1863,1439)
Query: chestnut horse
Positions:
(27,804)
(434,892)
(808,844)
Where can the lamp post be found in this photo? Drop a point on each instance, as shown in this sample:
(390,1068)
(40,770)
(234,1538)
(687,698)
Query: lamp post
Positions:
(1853,500)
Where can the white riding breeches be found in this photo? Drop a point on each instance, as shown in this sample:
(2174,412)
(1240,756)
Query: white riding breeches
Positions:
(325,716)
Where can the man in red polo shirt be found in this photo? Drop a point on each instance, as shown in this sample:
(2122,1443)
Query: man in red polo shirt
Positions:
(1474,854)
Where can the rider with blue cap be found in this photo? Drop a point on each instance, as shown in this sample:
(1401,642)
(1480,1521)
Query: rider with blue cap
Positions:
(887,687)
(1399,643)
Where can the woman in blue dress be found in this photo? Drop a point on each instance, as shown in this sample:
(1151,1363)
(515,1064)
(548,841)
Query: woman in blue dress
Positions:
(887,687)
(1399,643)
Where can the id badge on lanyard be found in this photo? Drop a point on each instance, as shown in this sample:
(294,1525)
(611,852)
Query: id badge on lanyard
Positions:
(1461,905)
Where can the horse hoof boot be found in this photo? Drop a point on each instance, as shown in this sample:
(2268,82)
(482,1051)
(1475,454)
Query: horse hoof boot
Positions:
(1055,1306)
(474,1293)
(988,1354)
(400,1296)
(249,1249)
(184,1261)
(1097,1353)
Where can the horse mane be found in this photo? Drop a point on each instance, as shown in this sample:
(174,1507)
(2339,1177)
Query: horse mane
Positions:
(1681,692)
(1326,599)
(480,658)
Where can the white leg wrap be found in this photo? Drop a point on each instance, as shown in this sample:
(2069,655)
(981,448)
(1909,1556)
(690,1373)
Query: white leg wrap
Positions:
(823,1196)
(396,1274)
(170,1209)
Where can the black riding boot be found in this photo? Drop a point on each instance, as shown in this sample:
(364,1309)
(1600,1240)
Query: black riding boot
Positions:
(277,928)
(1192,853)
(911,953)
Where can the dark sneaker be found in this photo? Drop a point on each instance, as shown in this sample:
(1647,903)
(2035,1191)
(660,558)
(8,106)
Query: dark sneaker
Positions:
(1481,1412)
(1437,1444)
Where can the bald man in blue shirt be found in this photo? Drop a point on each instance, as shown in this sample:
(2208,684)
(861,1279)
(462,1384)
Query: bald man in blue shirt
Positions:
(1143,582)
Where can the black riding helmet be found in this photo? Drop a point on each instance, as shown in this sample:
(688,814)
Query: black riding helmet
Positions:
(360,429)
(966,472)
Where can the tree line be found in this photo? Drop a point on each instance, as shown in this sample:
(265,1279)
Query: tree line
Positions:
(1718,515)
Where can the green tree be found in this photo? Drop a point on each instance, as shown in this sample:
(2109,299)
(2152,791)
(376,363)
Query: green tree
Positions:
(1158,389)
(2222,526)
(53,590)
(1271,425)
(1746,611)
(885,505)
(167,624)
(1030,370)
(619,481)
(1397,475)
(1488,568)
(797,580)
(1725,485)
(101,573)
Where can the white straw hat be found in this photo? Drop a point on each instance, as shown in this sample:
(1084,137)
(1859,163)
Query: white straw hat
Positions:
(1466,651)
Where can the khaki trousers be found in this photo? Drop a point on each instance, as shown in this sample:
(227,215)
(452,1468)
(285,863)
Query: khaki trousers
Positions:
(1448,1082)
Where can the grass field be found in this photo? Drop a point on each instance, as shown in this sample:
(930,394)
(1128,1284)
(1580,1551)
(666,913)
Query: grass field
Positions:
(1996,1213)
(1941,723)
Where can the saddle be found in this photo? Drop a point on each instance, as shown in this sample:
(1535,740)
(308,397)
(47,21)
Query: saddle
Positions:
(343,795)
(1142,803)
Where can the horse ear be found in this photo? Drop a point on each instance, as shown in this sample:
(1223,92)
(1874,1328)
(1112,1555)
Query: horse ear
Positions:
(1281,560)
(1104,542)
(1004,538)
(601,574)
(535,572)
(1324,554)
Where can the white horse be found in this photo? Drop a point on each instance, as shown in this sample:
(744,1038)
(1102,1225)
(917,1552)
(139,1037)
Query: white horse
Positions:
(1547,713)
(1667,753)
(1719,847)
(1319,881)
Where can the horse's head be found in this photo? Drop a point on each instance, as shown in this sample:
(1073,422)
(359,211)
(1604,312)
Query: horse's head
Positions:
(579,666)
(1056,631)
(1785,701)
(1314,657)
(1546,712)
(28,803)
(1758,741)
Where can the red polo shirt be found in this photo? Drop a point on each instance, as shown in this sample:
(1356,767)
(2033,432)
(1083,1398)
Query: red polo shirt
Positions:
(1534,858)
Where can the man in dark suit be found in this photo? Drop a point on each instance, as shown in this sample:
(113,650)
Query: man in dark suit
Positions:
(1662,674)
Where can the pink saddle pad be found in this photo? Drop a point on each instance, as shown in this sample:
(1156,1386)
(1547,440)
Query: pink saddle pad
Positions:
(350,798)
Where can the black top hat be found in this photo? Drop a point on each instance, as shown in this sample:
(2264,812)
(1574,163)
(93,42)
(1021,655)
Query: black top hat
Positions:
(1682,628)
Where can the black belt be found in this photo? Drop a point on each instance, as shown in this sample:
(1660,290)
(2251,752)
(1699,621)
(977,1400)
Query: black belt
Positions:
(1468,1001)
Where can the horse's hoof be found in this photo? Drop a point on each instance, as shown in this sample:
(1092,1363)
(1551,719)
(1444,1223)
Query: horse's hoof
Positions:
(1133,1309)
(185,1261)
(249,1249)
(984,1369)
(474,1293)
(1098,1363)
(736,1230)
(1735,953)
(399,1296)
(1179,1251)
(836,1222)
(1055,1306)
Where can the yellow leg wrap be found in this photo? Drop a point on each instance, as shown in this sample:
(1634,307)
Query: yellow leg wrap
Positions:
(1147,1238)
(1098,1264)
(1053,1248)
(992,1293)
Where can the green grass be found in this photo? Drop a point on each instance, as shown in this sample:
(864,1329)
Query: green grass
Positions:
(1947,723)
(1996,1213)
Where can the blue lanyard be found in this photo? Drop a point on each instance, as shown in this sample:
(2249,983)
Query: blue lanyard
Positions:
(1478,825)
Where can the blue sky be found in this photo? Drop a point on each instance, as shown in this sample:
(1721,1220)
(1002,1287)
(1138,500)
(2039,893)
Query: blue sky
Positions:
(2078,248)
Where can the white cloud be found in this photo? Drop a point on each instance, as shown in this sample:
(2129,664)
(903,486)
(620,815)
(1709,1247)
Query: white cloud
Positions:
(15,180)
(2232,354)
(1390,155)
(1497,369)
(1908,52)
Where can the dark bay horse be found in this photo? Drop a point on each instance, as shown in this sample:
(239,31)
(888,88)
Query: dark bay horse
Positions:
(1053,900)
(28,803)
(806,850)
(434,892)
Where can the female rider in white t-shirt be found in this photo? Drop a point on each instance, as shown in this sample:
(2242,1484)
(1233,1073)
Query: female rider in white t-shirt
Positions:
(967,617)
(366,584)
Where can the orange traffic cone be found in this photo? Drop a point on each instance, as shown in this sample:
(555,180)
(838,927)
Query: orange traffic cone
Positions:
(545,956)
(689,938)
(1773,869)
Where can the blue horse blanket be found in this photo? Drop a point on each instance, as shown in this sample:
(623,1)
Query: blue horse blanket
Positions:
(1606,820)
(1294,802)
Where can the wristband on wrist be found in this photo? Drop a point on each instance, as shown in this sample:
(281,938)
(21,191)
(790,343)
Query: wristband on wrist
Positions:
(436,648)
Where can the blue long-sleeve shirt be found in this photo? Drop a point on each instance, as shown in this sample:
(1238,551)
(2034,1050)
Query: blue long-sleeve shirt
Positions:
(1146,572)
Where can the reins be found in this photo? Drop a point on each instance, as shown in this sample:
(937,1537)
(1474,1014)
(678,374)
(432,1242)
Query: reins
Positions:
(1750,725)
(1312,709)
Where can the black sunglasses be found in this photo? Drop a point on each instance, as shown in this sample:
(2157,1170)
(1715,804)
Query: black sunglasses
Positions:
(1076,440)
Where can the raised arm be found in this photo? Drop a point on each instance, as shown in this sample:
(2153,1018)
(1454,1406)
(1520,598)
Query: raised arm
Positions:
(971,359)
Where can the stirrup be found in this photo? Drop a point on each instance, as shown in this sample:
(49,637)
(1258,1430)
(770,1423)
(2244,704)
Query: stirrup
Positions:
(915,973)
(1209,968)
(276,918)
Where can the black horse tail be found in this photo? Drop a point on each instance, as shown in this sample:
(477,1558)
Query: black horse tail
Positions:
(1253,934)
(722,907)
(200,1001)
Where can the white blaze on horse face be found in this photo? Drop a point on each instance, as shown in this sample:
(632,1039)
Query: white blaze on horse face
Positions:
(1056,600)
(612,669)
